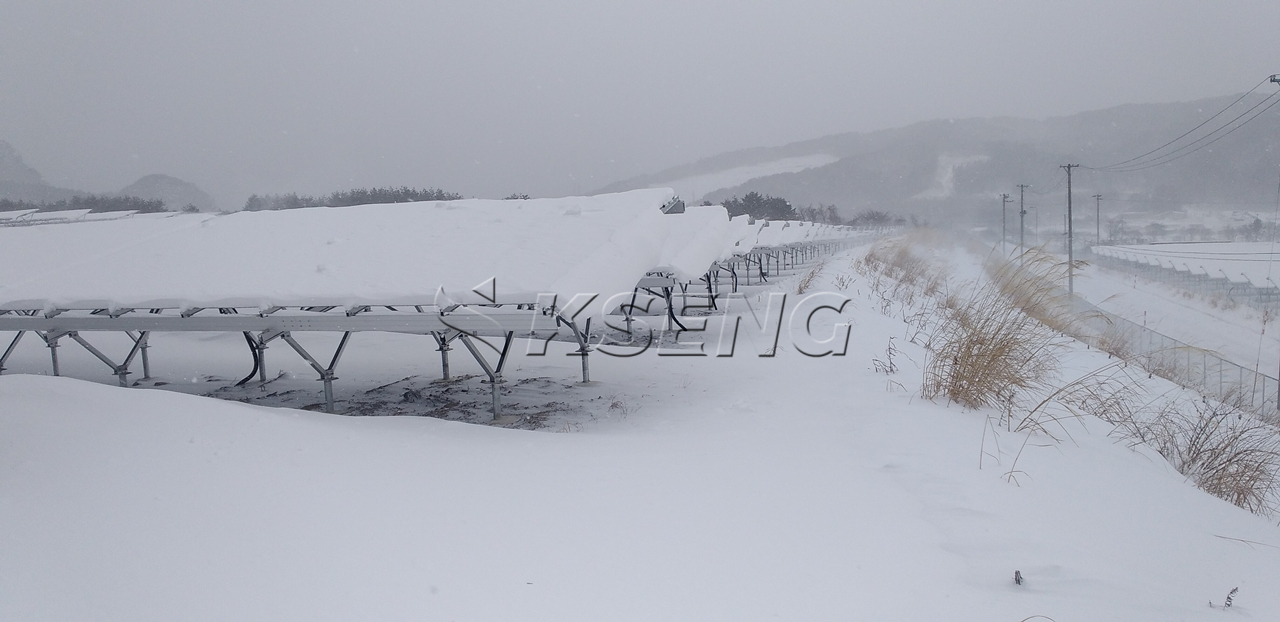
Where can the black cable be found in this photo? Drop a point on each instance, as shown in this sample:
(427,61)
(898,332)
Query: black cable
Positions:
(1165,159)
(1061,178)
(1185,134)
(253,349)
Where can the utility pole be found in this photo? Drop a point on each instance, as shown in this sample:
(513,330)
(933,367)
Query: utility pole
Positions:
(1097,235)
(1004,200)
(1071,257)
(1022,219)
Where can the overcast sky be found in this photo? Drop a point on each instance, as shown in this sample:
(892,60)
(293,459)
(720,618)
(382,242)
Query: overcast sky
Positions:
(556,97)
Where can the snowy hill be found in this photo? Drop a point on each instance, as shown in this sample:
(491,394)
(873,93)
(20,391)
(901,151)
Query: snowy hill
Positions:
(175,193)
(681,487)
(20,182)
(950,169)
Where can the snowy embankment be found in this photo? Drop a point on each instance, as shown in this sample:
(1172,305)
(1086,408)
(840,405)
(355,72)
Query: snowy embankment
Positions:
(700,488)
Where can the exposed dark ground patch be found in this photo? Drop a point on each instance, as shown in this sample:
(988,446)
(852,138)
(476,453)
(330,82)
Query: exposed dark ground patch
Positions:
(538,403)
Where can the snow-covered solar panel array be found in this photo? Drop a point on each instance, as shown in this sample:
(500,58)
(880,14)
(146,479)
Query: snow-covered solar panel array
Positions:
(14,215)
(1254,263)
(450,269)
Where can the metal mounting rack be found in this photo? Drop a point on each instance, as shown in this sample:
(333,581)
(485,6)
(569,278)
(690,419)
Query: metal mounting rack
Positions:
(263,325)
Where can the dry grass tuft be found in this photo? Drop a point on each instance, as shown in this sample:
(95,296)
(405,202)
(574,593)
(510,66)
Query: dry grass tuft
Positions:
(1002,340)
(1224,450)
(1032,282)
(898,277)
(1117,341)
(806,281)
(1218,444)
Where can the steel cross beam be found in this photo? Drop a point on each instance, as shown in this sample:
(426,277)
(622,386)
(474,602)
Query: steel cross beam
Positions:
(486,321)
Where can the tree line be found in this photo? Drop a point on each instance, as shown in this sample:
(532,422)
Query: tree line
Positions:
(344,198)
(769,207)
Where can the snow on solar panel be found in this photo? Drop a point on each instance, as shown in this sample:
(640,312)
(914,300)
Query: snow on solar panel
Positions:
(12,215)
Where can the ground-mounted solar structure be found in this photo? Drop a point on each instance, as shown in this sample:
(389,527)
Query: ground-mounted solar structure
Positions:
(458,271)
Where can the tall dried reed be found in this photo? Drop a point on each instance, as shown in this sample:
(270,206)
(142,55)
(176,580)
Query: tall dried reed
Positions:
(1002,340)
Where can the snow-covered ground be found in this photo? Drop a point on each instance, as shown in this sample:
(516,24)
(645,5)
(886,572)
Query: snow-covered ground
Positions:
(682,487)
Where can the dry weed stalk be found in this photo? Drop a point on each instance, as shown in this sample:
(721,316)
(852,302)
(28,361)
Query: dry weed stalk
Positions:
(807,280)
(1032,282)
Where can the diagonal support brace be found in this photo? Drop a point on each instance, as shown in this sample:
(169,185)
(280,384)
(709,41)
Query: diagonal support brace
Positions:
(13,345)
(494,373)
(122,370)
(142,338)
(583,338)
(326,373)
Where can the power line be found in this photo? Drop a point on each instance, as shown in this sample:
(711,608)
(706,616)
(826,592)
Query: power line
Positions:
(1061,178)
(1188,132)
(1165,159)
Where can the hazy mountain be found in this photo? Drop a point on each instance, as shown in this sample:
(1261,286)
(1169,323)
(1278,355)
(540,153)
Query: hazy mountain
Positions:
(175,193)
(957,168)
(20,182)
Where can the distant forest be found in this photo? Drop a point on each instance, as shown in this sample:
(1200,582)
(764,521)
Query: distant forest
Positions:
(769,207)
(343,198)
(93,202)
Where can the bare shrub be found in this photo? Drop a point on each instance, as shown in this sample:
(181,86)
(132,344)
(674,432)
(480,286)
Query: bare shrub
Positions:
(887,365)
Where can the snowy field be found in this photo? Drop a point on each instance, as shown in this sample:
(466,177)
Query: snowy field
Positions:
(674,487)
